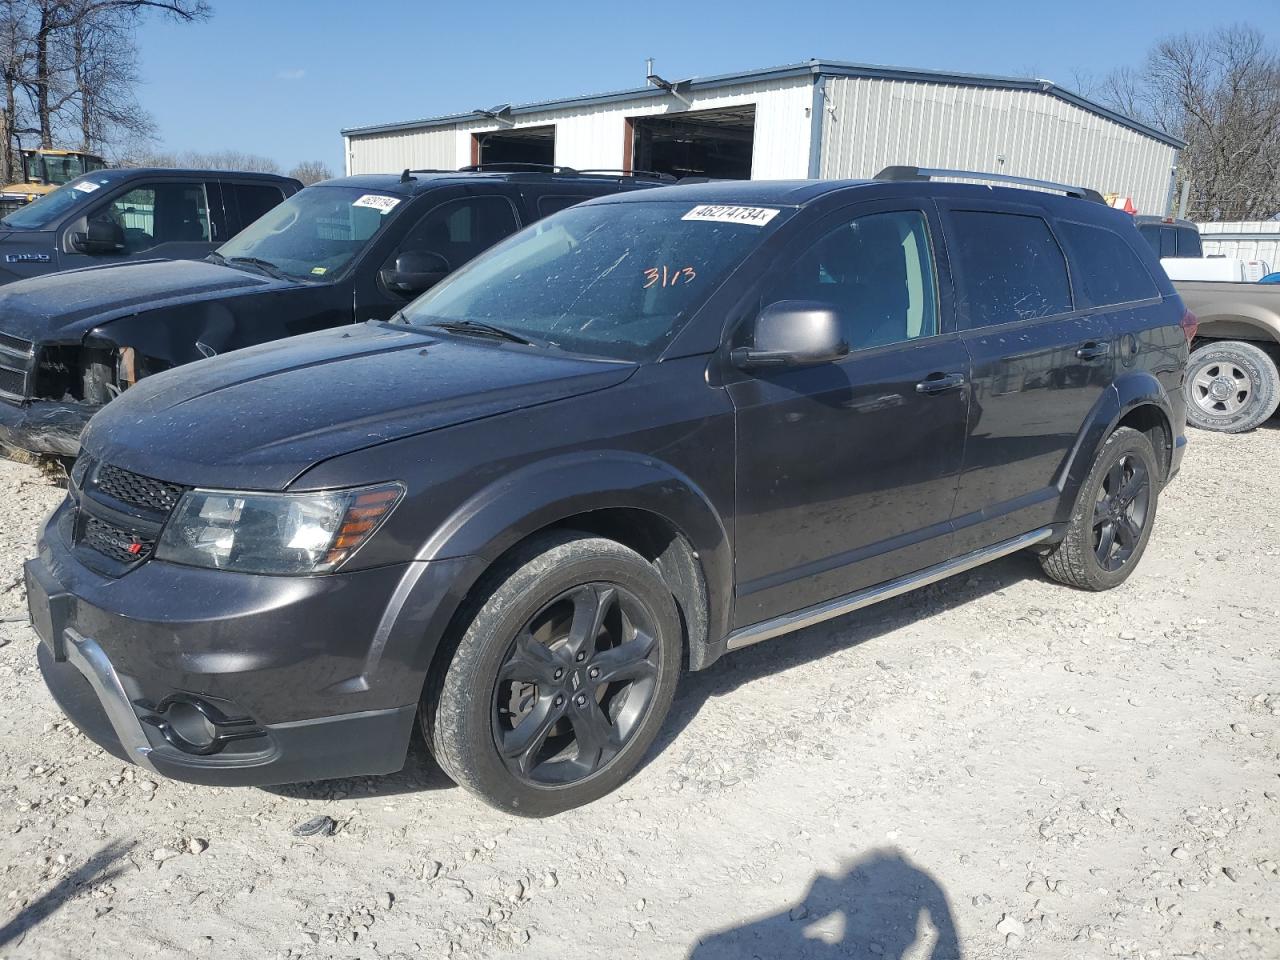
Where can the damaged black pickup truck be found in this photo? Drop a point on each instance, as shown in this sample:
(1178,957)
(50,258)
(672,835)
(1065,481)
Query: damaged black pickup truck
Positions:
(343,251)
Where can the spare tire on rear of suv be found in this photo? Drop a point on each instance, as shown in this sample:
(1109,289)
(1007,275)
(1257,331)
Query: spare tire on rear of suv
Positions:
(1232,386)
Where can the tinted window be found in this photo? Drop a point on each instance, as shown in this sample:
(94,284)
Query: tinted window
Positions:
(550,205)
(1168,243)
(877,271)
(613,280)
(255,199)
(459,229)
(1011,268)
(156,213)
(1189,242)
(1151,233)
(1107,269)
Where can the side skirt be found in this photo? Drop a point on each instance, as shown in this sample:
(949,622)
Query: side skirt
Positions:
(768,629)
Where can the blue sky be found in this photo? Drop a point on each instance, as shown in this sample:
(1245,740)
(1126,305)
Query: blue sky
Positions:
(282,77)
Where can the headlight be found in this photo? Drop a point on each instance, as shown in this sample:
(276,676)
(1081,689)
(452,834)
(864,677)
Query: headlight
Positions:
(281,533)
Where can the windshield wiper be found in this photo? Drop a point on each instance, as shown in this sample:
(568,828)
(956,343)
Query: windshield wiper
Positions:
(266,266)
(481,329)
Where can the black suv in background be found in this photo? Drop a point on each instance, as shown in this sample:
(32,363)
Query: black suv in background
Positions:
(113,216)
(350,249)
(643,432)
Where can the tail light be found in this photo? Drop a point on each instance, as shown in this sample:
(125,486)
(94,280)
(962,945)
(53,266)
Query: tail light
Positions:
(1190,323)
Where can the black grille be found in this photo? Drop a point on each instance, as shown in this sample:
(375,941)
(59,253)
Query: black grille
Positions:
(13,382)
(15,343)
(120,545)
(137,490)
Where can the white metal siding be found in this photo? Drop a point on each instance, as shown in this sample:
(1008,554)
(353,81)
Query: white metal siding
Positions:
(869,124)
(427,149)
(1223,240)
(593,137)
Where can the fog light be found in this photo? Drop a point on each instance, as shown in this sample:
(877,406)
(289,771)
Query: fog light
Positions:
(196,726)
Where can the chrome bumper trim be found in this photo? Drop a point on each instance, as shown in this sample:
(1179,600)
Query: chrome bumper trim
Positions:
(90,659)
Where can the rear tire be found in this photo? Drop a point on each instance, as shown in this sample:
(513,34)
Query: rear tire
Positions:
(561,678)
(1232,386)
(1113,516)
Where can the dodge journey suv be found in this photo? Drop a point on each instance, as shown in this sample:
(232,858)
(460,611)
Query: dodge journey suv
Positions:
(641,433)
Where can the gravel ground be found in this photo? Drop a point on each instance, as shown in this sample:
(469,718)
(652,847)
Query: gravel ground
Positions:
(993,767)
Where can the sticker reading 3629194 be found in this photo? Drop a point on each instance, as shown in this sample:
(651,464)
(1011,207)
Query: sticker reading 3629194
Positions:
(377,201)
(721,213)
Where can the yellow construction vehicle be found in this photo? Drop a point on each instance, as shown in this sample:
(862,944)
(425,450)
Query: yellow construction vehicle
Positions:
(45,170)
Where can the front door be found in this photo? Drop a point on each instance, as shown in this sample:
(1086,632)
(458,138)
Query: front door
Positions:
(1040,364)
(847,471)
(159,219)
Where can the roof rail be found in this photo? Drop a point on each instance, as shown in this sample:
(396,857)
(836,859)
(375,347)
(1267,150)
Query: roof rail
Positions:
(515,166)
(928,173)
(639,174)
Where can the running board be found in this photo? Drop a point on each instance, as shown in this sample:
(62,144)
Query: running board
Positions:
(830,609)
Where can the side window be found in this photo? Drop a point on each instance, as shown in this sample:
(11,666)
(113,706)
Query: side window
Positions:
(877,271)
(1189,242)
(169,212)
(254,199)
(1151,233)
(1168,242)
(548,205)
(459,229)
(1011,268)
(1108,270)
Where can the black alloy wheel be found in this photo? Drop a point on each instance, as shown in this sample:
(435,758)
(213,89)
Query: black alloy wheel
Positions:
(1120,512)
(576,682)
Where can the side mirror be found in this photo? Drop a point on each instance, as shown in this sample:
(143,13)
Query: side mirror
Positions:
(414,272)
(792,333)
(99,236)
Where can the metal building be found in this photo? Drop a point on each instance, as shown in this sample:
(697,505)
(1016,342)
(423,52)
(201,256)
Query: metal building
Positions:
(815,119)
(1243,240)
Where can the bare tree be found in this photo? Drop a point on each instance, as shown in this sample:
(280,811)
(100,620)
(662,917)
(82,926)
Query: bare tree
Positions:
(311,171)
(1220,92)
(194,159)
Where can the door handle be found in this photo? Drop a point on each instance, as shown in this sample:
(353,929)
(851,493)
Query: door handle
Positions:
(1092,351)
(940,382)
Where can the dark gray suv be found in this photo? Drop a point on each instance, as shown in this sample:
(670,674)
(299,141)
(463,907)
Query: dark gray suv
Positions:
(639,434)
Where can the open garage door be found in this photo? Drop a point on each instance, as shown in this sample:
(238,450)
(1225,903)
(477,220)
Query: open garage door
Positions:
(699,143)
(526,145)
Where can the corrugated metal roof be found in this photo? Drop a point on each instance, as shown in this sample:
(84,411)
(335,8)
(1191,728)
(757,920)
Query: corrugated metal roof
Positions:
(811,68)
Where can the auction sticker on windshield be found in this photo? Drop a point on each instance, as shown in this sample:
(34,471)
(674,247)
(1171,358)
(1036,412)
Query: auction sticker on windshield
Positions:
(377,202)
(87,187)
(719,213)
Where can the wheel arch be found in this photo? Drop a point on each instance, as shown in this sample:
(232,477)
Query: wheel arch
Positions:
(645,504)
(1136,400)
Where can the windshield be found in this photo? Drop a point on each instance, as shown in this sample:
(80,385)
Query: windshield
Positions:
(50,208)
(54,168)
(314,233)
(617,280)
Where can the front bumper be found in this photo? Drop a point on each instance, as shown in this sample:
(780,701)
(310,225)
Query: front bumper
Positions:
(234,679)
(45,426)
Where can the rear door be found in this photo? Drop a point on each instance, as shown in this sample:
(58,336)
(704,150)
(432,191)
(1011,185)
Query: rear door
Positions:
(847,471)
(246,201)
(1040,364)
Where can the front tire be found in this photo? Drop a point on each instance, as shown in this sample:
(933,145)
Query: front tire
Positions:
(1112,518)
(561,679)
(1232,386)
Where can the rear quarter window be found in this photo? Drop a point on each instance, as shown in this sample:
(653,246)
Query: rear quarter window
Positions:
(1189,243)
(1011,268)
(1107,270)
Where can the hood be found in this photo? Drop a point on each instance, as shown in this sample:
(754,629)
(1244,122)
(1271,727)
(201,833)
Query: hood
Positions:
(63,307)
(257,418)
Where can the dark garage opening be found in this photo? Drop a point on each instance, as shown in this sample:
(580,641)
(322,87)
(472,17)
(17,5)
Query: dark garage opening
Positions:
(528,145)
(705,143)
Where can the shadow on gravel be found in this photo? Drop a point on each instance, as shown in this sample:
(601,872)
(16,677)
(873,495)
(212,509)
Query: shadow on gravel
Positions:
(792,650)
(99,868)
(874,908)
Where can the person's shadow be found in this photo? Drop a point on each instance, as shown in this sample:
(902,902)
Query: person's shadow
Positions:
(881,905)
